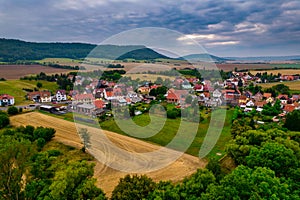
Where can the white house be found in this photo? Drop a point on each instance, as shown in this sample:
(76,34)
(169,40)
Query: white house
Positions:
(6,100)
(61,95)
(250,103)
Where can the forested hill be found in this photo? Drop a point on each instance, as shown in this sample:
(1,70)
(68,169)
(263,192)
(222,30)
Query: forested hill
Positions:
(16,50)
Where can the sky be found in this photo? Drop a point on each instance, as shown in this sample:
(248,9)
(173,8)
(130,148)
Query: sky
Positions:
(222,27)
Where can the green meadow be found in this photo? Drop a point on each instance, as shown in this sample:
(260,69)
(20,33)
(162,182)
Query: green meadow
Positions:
(170,129)
(15,88)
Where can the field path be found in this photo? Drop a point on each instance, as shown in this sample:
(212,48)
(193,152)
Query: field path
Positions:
(107,178)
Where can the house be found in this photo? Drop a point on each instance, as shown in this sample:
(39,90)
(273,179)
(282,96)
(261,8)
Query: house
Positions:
(217,94)
(287,77)
(296,97)
(198,87)
(283,98)
(289,108)
(6,100)
(176,96)
(242,100)
(61,95)
(144,90)
(250,104)
(270,100)
(267,95)
(87,109)
(99,104)
(39,96)
(100,93)
(260,104)
(84,98)
(248,94)
(186,85)
(258,96)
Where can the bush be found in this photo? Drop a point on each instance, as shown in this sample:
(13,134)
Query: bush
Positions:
(12,110)
(4,120)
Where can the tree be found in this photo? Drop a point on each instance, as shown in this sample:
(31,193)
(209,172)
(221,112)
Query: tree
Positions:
(84,135)
(12,110)
(215,167)
(197,184)
(75,181)
(165,190)
(46,133)
(14,157)
(293,120)
(133,187)
(247,183)
(274,156)
(4,119)
(39,85)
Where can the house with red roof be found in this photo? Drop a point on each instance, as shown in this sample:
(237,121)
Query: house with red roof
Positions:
(289,108)
(84,98)
(40,96)
(176,96)
(6,100)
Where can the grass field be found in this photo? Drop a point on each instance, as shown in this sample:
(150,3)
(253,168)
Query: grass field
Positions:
(62,61)
(170,130)
(293,85)
(15,88)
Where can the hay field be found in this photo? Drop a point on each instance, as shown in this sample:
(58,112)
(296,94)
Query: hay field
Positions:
(107,178)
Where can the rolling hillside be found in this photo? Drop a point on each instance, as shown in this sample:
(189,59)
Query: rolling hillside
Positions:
(17,50)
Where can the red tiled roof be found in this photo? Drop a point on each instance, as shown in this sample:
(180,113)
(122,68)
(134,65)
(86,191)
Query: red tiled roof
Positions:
(84,96)
(99,103)
(267,95)
(289,107)
(6,96)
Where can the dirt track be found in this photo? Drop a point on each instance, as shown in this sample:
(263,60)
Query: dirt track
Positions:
(107,178)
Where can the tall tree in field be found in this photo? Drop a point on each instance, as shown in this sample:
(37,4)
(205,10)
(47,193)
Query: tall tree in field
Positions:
(14,156)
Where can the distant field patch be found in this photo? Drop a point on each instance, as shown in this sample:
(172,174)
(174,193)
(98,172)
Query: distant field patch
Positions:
(232,66)
(276,71)
(293,85)
(10,72)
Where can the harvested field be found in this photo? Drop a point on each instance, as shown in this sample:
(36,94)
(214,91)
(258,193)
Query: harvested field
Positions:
(107,178)
(16,71)
(281,71)
(293,85)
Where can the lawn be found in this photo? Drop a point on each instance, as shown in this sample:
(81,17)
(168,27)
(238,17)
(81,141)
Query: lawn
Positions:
(170,129)
(15,88)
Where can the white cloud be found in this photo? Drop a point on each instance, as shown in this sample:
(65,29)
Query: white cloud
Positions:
(222,43)
(200,37)
(246,27)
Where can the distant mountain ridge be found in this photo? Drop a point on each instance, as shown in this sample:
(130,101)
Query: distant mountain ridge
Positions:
(203,58)
(12,50)
(265,58)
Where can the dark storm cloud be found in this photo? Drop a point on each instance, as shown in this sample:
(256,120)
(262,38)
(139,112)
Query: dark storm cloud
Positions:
(223,27)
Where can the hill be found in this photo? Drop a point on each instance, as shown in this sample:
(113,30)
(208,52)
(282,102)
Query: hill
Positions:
(16,50)
(266,58)
(203,58)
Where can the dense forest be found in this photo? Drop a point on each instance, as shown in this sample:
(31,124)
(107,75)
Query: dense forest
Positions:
(17,50)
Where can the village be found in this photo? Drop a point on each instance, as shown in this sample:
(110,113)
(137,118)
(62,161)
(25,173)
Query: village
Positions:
(93,97)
